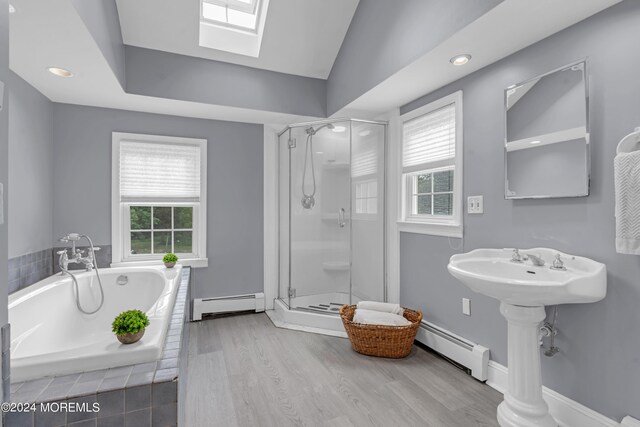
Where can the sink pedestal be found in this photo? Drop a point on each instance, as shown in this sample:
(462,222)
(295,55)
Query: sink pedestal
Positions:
(523,405)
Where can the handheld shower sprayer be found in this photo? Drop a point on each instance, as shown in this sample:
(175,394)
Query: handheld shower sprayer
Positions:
(89,261)
(308,200)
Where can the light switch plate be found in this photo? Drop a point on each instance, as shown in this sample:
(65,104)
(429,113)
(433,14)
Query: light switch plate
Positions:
(475,204)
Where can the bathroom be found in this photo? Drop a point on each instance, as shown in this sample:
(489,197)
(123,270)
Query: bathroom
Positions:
(299,195)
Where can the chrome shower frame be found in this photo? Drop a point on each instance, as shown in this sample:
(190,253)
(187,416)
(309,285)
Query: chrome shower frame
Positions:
(310,126)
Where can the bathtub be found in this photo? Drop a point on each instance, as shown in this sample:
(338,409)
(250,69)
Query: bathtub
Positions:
(51,337)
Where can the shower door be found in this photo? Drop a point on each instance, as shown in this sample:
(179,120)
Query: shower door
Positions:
(319,236)
(331,253)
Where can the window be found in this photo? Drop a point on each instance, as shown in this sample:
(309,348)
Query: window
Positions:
(241,14)
(432,168)
(234,26)
(159,198)
(367,197)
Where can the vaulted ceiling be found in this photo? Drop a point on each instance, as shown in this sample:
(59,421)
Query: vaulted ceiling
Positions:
(318,57)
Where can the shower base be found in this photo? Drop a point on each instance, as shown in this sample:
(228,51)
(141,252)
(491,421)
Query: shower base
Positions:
(312,313)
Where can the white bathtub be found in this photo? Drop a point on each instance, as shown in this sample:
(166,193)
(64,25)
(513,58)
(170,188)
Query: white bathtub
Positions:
(51,337)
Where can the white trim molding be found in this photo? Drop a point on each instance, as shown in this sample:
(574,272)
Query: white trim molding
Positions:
(567,412)
(451,226)
(271,223)
(120,209)
(629,422)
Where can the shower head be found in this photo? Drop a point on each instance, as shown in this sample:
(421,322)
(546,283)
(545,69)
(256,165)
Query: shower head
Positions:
(311,131)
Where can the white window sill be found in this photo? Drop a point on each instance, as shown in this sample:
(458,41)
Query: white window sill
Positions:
(446,230)
(190,262)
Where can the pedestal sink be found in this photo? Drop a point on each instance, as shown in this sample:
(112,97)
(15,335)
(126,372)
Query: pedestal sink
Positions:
(523,290)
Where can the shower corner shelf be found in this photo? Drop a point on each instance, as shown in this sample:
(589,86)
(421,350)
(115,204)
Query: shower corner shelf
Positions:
(336,266)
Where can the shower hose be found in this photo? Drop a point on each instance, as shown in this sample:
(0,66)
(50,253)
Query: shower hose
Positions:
(75,281)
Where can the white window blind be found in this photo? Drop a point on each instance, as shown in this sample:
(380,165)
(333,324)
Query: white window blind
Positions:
(159,171)
(429,141)
(364,160)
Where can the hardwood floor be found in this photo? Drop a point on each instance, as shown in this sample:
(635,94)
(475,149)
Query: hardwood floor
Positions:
(243,371)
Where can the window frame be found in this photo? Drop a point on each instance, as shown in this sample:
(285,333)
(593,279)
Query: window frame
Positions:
(437,225)
(120,210)
(365,180)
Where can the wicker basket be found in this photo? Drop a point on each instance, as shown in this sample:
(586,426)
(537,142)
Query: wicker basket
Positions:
(382,341)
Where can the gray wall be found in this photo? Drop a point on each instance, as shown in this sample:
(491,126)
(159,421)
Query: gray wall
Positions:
(82,200)
(30,169)
(598,364)
(386,36)
(103,23)
(169,75)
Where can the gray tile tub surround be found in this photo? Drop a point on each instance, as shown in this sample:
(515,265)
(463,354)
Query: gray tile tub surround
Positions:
(28,269)
(145,394)
(103,257)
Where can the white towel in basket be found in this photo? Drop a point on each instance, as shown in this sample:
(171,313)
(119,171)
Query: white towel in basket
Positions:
(381,306)
(627,183)
(372,317)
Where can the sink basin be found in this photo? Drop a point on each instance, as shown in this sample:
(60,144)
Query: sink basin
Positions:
(523,290)
(491,272)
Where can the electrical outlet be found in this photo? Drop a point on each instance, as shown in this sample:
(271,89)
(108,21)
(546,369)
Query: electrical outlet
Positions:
(466,306)
(475,204)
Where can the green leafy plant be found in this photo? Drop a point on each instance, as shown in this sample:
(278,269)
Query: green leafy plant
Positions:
(170,258)
(129,322)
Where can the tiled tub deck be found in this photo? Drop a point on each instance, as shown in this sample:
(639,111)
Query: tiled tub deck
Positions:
(143,395)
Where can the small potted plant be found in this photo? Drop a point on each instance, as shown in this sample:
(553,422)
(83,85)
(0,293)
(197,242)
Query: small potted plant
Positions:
(169,260)
(129,326)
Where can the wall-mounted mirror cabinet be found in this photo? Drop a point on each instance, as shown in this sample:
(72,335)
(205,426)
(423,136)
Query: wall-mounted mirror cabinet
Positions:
(547,135)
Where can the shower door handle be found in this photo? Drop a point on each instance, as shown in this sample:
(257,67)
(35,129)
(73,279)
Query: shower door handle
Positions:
(341,221)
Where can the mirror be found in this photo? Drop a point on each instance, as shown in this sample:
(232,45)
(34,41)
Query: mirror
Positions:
(547,135)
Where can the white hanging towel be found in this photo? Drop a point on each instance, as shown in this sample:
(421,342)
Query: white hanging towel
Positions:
(627,182)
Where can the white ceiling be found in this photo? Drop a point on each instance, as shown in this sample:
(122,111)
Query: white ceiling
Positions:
(507,28)
(45,33)
(300,37)
(48,33)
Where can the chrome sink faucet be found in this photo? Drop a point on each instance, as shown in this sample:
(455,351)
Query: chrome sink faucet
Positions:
(520,258)
(536,260)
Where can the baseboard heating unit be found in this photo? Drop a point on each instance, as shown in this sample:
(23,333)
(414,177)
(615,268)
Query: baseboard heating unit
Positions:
(227,304)
(470,355)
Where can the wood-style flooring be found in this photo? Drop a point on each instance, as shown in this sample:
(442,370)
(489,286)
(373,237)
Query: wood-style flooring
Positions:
(243,371)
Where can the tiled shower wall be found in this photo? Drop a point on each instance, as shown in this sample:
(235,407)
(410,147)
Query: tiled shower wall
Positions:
(28,269)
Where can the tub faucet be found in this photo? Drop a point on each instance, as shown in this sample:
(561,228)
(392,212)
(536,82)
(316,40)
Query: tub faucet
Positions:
(76,254)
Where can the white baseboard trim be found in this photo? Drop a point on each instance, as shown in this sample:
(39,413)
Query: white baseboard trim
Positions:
(227,304)
(567,412)
(630,422)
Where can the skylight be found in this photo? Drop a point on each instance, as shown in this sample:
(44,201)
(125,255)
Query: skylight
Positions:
(239,14)
(233,25)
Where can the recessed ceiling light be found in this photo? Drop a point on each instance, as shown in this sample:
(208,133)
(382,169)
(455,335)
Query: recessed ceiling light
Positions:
(339,128)
(535,142)
(365,133)
(460,59)
(60,72)
(12,8)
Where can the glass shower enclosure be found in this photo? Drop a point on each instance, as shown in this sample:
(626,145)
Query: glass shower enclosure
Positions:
(331,214)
